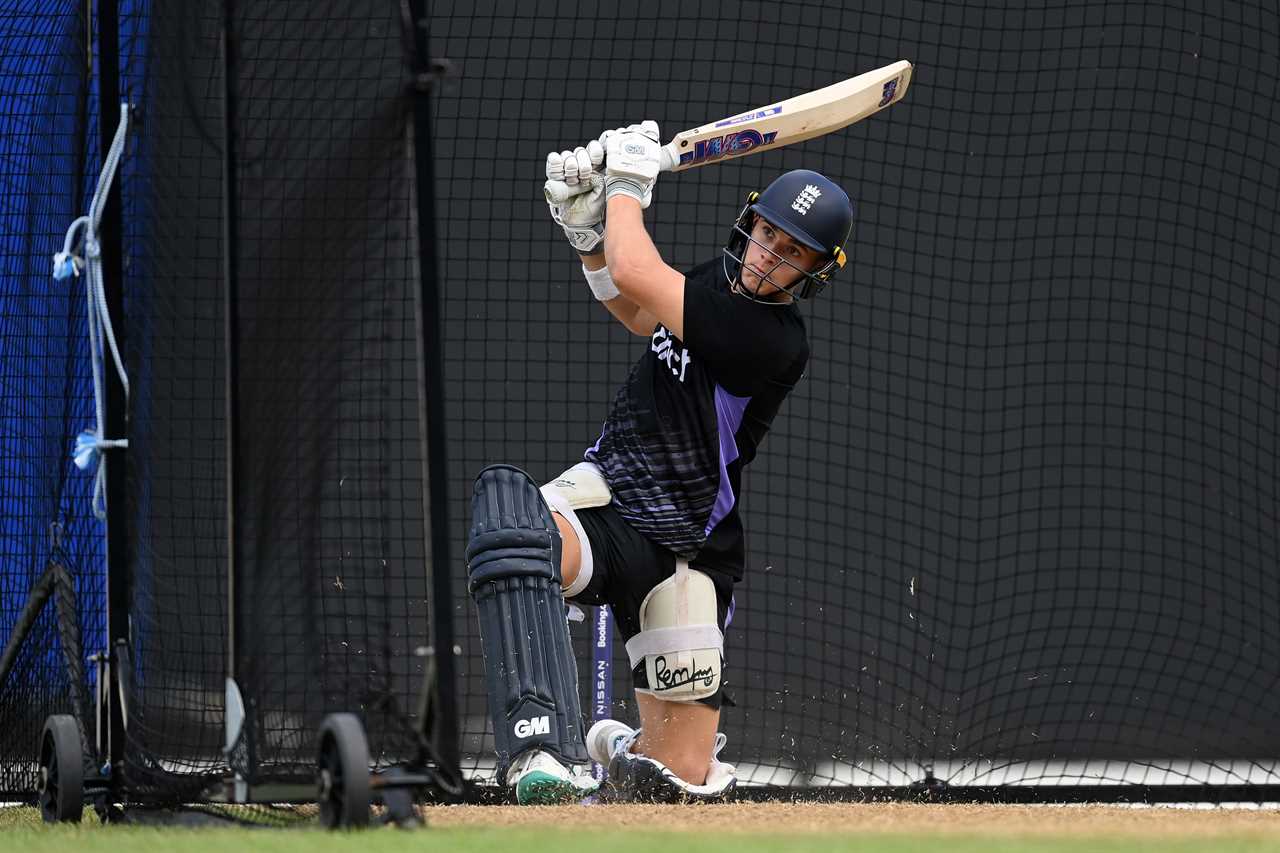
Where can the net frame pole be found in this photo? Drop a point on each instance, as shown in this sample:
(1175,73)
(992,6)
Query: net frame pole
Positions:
(231,371)
(431,416)
(119,581)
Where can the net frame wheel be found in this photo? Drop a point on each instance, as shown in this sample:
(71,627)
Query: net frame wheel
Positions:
(342,773)
(60,789)
(396,787)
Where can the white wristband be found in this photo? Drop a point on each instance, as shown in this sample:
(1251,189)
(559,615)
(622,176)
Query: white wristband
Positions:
(601,283)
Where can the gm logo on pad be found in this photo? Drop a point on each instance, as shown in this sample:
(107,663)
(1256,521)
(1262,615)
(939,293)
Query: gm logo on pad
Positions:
(536,726)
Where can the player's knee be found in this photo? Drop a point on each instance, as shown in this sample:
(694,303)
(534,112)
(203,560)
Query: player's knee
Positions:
(512,529)
(581,487)
(570,551)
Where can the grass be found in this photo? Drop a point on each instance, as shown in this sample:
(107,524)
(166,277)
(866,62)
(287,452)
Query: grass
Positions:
(21,830)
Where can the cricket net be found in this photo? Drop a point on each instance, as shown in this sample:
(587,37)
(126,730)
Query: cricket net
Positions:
(1017,525)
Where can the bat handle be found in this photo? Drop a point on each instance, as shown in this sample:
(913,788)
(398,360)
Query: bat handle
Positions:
(557,192)
(669,158)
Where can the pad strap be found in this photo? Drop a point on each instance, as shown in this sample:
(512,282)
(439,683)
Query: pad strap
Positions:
(681,638)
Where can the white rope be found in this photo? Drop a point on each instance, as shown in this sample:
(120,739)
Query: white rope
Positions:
(86,254)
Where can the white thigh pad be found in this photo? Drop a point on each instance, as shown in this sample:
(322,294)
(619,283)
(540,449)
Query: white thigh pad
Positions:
(680,641)
(581,487)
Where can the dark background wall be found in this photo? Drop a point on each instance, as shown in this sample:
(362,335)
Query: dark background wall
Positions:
(1023,505)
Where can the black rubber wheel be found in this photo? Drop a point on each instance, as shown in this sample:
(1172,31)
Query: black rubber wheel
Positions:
(61,768)
(397,799)
(343,773)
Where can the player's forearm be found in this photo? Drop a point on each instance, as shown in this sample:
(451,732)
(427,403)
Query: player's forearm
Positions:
(627,313)
(628,248)
(631,315)
(638,270)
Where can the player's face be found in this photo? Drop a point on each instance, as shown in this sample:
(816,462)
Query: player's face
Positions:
(774,261)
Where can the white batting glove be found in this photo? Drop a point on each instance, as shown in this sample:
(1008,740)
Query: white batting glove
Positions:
(575,174)
(632,156)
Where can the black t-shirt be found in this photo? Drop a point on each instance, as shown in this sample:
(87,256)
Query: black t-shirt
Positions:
(692,414)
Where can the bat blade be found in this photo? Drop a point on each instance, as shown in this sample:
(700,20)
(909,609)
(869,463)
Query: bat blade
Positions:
(815,113)
(787,122)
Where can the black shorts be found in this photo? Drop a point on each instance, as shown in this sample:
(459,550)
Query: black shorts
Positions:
(626,567)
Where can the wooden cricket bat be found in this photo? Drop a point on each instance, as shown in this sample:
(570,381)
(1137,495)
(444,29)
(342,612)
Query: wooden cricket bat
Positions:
(815,113)
(785,123)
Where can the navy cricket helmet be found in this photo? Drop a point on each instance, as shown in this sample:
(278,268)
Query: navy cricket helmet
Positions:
(813,210)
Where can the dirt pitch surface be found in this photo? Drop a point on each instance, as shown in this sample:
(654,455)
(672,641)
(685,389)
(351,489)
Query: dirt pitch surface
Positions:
(887,818)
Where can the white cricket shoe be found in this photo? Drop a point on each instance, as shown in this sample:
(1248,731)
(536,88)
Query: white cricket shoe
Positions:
(607,738)
(539,779)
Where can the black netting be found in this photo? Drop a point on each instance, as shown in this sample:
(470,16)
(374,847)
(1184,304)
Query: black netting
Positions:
(47,154)
(172,189)
(330,603)
(1018,522)
(332,565)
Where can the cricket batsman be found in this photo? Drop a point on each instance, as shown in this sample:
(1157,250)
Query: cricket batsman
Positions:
(648,522)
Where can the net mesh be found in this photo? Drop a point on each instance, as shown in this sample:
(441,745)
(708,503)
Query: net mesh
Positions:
(1015,526)
(47,156)
(330,603)
(174,311)
(1018,522)
(334,568)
